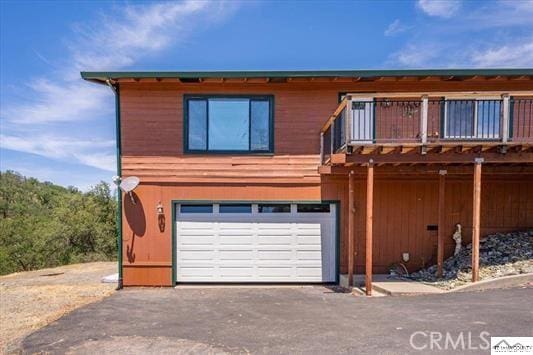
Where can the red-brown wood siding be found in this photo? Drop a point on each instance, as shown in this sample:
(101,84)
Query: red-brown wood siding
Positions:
(152,125)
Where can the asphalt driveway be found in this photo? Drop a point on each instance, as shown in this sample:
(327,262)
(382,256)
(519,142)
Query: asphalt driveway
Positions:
(292,320)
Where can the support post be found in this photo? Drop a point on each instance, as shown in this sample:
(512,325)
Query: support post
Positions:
(424,120)
(506,117)
(332,138)
(368,233)
(321,148)
(348,121)
(351,241)
(440,236)
(476,219)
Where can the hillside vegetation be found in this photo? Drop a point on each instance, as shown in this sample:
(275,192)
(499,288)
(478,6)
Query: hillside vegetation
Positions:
(46,225)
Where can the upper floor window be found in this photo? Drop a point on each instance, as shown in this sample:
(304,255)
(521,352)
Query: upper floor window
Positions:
(229,124)
(477,119)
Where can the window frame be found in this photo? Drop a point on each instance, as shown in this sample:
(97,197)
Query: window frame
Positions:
(189,97)
(475,136)
(260,205)
(310,205)
(196,205)
(237,204)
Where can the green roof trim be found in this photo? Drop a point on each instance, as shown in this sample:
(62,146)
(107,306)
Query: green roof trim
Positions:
(101,77)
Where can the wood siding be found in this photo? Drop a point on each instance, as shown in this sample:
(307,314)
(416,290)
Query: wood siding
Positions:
(403,208)
(152,136)
(405,205)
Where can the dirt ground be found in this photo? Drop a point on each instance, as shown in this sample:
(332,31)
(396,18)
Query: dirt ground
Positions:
(30,300)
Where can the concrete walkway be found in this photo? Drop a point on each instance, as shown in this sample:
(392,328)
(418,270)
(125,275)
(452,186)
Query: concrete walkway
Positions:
(387,285)
(398,287)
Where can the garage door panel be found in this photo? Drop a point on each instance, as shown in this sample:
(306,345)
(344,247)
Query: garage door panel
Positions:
(274,254)
(226,272)
(308,239)
(306,226)
(236,255)
(256,247)
(197,240)
(192,271)
(309,255)
(309,271)
(277,272)
(195,227)
(196,255)
(235,240)
(274,240)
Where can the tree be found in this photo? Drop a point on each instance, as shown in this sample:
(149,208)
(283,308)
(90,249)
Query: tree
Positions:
(45,225)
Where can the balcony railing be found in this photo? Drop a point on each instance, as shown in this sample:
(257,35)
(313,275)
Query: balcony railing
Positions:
(427,121)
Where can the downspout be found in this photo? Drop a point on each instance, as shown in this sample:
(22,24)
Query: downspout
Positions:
(115,89)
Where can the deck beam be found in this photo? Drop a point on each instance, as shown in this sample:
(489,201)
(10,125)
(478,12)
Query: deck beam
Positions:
(443,158)
(427,169)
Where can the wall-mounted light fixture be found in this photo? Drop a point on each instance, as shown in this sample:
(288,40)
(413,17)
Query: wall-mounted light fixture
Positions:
(159,209)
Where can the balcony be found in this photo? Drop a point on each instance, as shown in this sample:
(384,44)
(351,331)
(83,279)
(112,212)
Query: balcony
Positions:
(383,124)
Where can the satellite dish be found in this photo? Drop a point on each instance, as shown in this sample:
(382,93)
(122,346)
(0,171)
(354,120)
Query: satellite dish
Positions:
(129,184)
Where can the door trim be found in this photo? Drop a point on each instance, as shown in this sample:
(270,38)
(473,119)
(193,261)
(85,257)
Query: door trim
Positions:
(337,204)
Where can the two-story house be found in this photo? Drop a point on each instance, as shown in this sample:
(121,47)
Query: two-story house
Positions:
(303,176)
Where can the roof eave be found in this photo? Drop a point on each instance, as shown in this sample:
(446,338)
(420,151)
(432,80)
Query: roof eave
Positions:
(102,77)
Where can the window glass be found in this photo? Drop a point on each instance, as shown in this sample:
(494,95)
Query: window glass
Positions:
(488,118)
(196,208)
(260,130)
(235,208)
(274,208)
(460,118)
(197,124)
(313,208)
(229,124)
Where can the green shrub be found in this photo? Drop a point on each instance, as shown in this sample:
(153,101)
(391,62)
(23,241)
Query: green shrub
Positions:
(46,225)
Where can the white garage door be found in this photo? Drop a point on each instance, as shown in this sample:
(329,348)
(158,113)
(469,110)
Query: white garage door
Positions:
(255,243)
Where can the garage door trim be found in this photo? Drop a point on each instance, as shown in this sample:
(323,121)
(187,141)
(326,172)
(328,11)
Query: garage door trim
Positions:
(175,203)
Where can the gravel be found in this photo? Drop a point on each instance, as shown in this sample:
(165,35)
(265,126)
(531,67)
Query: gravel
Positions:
(500,254)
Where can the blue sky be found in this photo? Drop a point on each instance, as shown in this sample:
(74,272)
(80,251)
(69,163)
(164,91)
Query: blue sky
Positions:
(56,127)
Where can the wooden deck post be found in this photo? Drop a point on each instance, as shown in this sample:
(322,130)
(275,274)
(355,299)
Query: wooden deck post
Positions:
(424,120)
(321,148)
(440,235)
(351,239)
(369,217)
(476,219)
(505,117)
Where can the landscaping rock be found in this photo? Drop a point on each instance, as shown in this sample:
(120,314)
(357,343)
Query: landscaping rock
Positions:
(500,254)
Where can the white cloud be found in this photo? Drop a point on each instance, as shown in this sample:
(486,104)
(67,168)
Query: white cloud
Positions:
(58,101)
(416,55)
(439,8)
(114,42)
(506,55)
(93,152)
(394,28)
(500,14)
(491,34)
